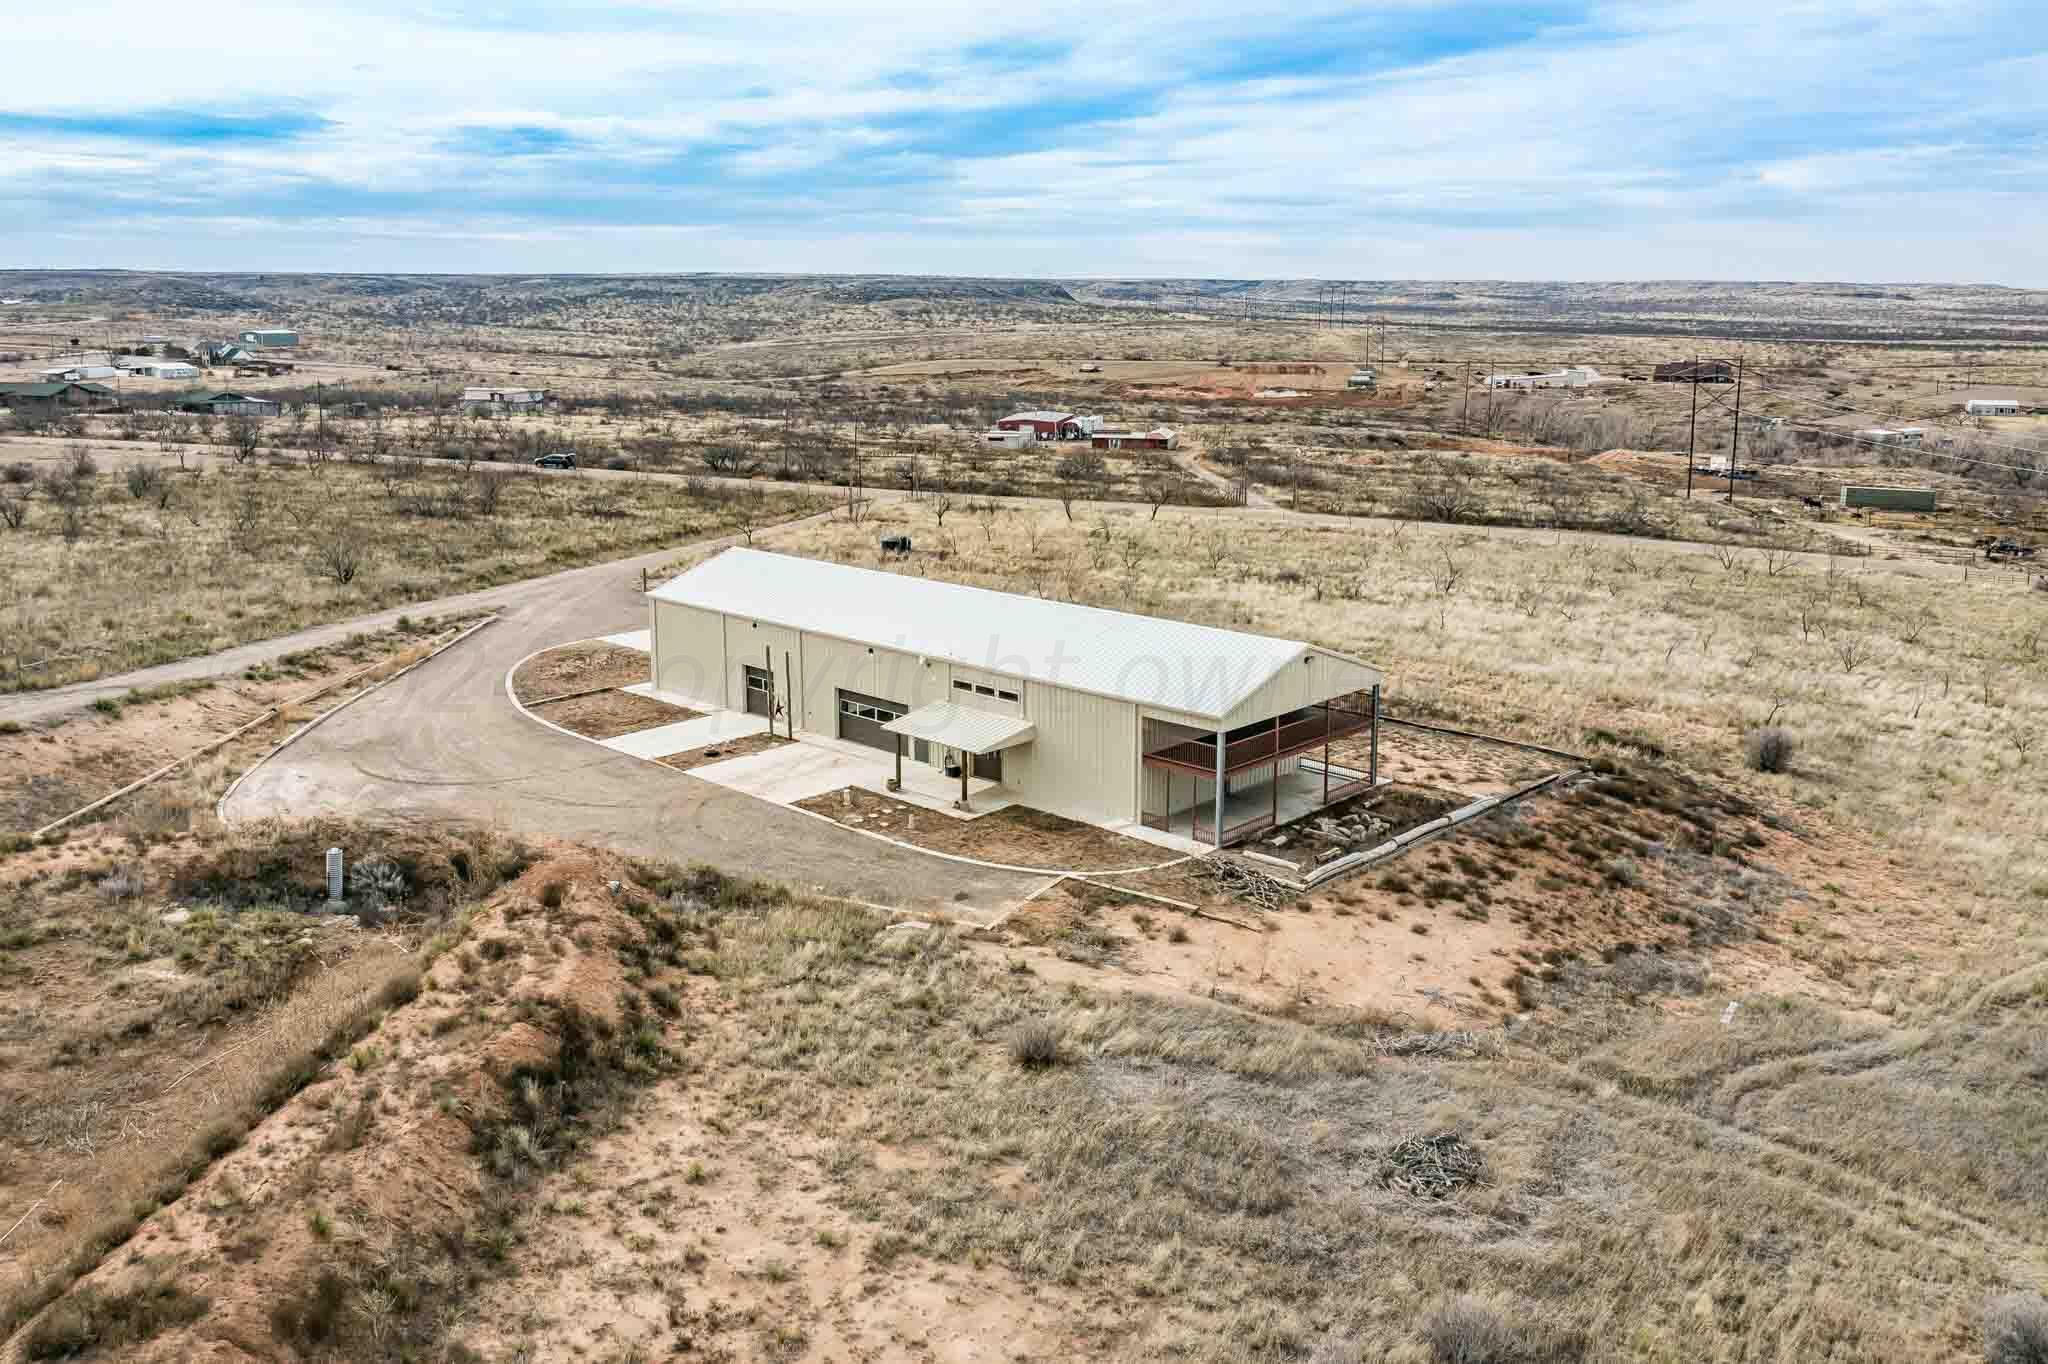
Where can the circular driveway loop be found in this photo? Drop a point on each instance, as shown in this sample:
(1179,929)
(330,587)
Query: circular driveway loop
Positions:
(445,742)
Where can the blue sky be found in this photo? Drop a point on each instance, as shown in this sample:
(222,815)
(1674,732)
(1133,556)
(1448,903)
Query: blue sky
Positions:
(1795,139)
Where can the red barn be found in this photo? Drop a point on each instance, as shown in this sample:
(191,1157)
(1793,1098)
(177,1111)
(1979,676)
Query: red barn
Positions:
(1045,425)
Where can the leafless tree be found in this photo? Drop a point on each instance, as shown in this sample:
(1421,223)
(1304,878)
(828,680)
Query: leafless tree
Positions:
(341,554)
(986,512)
(13,511)
(1216,549)
(1447,574)
(243,434)
(1133,550)
(1852,651)
(1066,493)
(2023,738)
(748,511)
(489,488)
(143,480)
(249,522)
(941,503)
(1159,490)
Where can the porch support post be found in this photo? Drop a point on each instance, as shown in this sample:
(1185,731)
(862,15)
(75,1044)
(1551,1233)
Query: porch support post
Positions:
(1375,734)
(1326,750)
(1217,828)
(1276,772)
(899,762)
(965,758)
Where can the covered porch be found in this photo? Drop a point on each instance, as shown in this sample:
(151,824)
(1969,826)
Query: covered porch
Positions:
(1259,775)
(969,732)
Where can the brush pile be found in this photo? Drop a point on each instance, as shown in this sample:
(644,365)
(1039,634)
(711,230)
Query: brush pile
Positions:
(1432,1167)
(1241,881)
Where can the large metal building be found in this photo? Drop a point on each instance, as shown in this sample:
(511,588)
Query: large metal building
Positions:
(1099,715)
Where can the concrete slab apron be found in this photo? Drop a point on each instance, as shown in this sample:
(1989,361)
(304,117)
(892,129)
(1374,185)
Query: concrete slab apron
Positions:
(718,727)
(445,742)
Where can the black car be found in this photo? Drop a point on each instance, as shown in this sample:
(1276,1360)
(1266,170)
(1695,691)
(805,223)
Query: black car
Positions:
(561,459)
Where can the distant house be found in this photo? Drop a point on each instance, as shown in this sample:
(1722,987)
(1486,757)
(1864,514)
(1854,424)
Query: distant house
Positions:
(45,399)
(505,399)
(1363,378)
(166,369)
(79,373)
(1689,371)
(1009,440)
(221,352)
(1992,407)
(250,367)
(271,338)
(1578,376)
(1889,499)
(1885,435)
(1044,425)
(1159,438)
(234,405)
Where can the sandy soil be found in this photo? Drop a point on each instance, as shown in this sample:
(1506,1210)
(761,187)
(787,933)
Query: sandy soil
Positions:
(608,714)
(1442,932)
(1470,766)
(52,767)
(719,752)
(578,667)
(702,1241)
(1018,835)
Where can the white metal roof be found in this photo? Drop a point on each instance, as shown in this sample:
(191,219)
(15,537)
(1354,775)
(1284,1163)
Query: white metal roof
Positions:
(1167,664)
(964,727)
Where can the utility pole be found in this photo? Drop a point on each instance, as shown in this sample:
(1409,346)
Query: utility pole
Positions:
(1465,382)
(1692,428)
(1735,439)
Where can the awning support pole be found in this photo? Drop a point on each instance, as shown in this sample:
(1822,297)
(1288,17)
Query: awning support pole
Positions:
(899,762)
(964,760)
(1326,752)
(1276,772)
(1375,734)
(1217,828)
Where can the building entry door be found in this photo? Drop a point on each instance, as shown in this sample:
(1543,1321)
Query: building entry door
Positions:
(760,692)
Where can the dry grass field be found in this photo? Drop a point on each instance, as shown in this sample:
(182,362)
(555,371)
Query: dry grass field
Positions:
(121,563)
(1726,1050)
(1918,703)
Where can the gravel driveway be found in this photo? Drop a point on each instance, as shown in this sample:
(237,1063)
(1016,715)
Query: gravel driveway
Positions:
(444,741)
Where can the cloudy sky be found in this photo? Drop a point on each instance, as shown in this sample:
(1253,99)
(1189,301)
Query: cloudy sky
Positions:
(1900,140)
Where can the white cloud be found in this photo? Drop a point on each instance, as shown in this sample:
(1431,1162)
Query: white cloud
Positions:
(1630,135)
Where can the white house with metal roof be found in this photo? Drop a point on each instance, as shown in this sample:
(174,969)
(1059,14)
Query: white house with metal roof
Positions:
(1101,715)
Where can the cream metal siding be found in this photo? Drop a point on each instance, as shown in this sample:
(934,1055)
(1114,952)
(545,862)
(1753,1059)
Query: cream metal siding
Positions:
(1084,762)
(1303,684)
(745,641)
(830,666)
(983,682)
(689,652)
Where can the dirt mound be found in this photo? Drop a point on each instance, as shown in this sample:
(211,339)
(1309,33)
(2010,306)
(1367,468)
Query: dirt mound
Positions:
(345,1223)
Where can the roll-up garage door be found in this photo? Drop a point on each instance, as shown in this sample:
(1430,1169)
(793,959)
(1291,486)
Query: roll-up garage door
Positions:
(861,719)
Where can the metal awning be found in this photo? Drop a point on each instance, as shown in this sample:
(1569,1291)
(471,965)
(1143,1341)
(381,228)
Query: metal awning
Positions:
(964,727)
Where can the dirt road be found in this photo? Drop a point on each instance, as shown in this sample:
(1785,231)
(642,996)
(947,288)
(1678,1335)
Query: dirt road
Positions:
(445,742)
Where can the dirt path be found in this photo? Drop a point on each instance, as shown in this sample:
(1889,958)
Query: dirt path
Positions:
(446,742)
